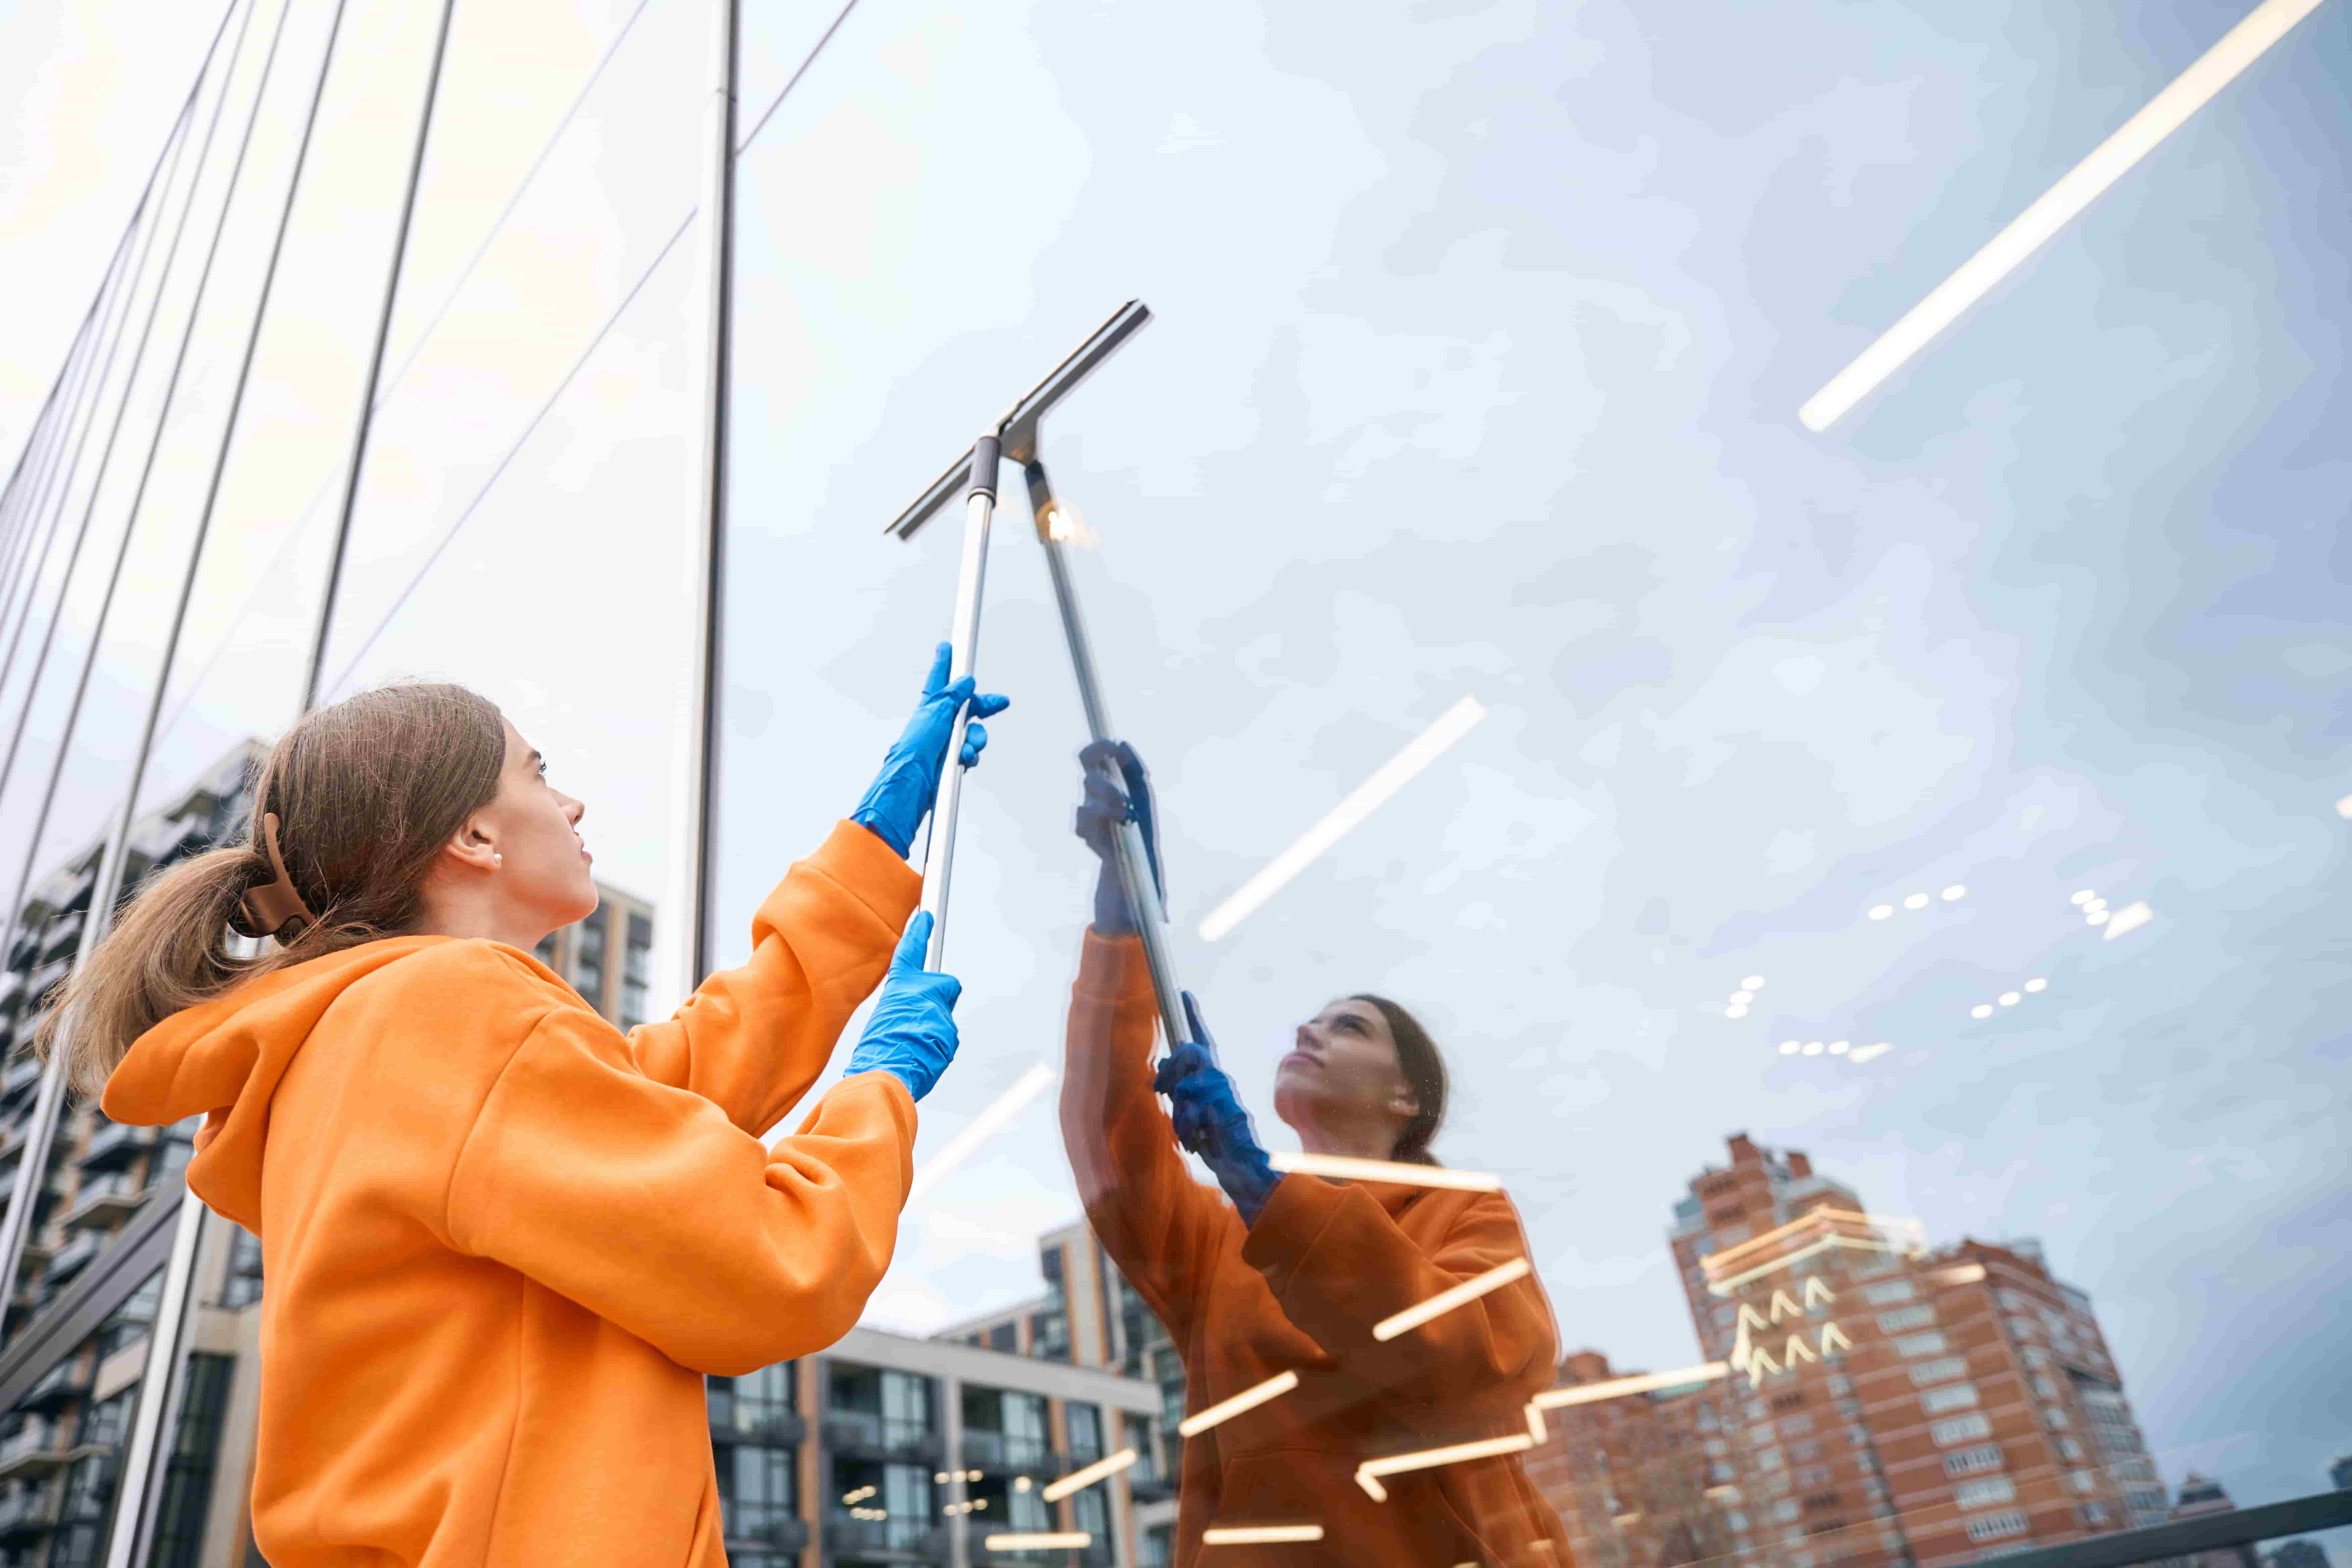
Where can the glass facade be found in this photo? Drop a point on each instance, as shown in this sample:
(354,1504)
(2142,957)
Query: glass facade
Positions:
(1807,875)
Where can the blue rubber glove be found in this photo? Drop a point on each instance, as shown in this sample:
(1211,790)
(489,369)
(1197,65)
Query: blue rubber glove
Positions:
(911,1032)
(1116,789)
(1209,1121)
(903,791)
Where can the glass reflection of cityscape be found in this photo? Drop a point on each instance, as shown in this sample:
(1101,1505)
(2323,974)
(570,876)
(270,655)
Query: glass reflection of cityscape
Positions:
(1867,1399)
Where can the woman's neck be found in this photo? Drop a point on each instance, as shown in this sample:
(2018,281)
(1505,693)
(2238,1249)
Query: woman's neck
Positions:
(1346,1141)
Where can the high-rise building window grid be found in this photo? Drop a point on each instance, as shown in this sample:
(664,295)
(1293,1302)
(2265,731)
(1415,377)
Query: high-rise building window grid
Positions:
(188,1474)
(636,970)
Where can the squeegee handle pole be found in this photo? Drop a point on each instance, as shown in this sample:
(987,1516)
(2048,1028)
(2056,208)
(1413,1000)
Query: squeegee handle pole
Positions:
(1151,925)
(963,641)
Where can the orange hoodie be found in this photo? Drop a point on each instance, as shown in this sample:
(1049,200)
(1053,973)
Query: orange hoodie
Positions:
(1300,1291)
(504,1242)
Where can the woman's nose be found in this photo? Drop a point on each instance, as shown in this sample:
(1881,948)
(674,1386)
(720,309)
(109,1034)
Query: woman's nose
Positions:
(574,810)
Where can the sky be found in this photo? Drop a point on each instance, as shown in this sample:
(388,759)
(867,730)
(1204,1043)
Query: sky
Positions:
(1481,331)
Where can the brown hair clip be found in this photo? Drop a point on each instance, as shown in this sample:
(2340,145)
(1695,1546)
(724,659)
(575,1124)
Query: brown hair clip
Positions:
(269,908)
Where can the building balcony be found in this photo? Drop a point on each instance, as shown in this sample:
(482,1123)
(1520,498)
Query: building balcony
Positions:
(775,1430)
(987,1450)
(1150,1486)
(69,1380)
(27,1511)
(789,1537)
(857,1435)
(60,942)
(116,1145)
(897,1540)
(102,1200)
(19,1079)
(74,1256)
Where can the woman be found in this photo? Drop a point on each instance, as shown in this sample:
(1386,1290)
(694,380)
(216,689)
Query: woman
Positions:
(505,1242)
(1295,1274)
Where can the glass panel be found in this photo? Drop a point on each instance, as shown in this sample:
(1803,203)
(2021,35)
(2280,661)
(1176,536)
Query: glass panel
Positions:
(1893,792)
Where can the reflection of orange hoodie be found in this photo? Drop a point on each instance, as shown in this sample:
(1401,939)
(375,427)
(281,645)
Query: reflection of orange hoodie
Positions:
(504,1243)
(1300,1291)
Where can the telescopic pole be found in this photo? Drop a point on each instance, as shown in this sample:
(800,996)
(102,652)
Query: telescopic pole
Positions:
(1134,861)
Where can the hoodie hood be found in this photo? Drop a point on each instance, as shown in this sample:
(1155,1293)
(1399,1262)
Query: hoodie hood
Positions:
(224,1058)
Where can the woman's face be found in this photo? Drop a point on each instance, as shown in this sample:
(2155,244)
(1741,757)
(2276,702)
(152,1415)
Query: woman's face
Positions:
(535,827)
(1342,1071)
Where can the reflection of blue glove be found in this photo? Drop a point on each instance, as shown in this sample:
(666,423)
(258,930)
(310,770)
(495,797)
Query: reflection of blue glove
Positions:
(911,1031)
(1210,1119)
(1118,790)
(910,780)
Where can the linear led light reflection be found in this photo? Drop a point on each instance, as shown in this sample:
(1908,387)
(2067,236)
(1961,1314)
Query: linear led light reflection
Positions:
(2054,208)
(1444,1301)
(1618,1387)
(1393,776)
(1040,1540)
(1260,1534)
(2131,917)
(1341,1168)
(1273,1387)
(1852,1244)
(1962,1274)
(1368,1474)
(1079,1481)
(981,1129)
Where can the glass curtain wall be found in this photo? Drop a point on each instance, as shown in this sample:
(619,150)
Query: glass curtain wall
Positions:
(1909,839)
(521,528)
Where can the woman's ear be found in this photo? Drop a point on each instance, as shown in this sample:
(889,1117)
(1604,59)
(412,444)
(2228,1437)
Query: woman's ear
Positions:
(1405,1103)
(473,848)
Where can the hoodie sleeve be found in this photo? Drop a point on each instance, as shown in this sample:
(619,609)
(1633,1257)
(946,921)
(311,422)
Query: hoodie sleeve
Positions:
(751,1040)
(645,1205)
(1339,1266)
(1164,1229)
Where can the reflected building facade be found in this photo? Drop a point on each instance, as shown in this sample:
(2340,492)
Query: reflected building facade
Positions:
(1898,1403)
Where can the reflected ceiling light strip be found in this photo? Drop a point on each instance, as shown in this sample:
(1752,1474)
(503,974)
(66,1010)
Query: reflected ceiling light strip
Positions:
(1079,1481)
(982,1128)
(1040,1540)
(1964,1274)
(1341,1168)
(2131,917)
(1848,1242)
(1273,1387)
(1869,1053)
(2082,184)
(1618,1387)
(1368,1474)
(1444,1301)
(1534,1422)
(1368,797)
(1260,1534)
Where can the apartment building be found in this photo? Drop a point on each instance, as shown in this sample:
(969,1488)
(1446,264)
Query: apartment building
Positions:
(2202,1495)
(1089,1316)
(1897,1404)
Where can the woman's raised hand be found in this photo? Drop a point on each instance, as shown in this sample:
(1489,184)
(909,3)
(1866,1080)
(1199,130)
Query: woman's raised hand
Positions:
(1209,1121)
(1116,789)
(911,1033)
(902,793)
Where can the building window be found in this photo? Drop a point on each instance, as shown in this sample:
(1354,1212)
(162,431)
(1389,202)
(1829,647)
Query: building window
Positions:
(1942,1370)
(1004,1337)
(1993,1526)
(588,960)
(2070,1449)
(1891,1292)
(759,1496)
(1911,1345)
(1951,1396)
(1795,1425)
(2056,1418)
(2095,1515)
(1907,1317)
(1092,1510)
(1084,1424)
(188,1478)
(1969,1460)
(1156,1549)
(636,970)
(2082,1481)
(243,1285)
(1959,1430)
(1984,1493)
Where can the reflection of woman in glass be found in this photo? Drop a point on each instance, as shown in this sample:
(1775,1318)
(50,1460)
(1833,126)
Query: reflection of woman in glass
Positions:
(1297,1272)
(505,1242)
